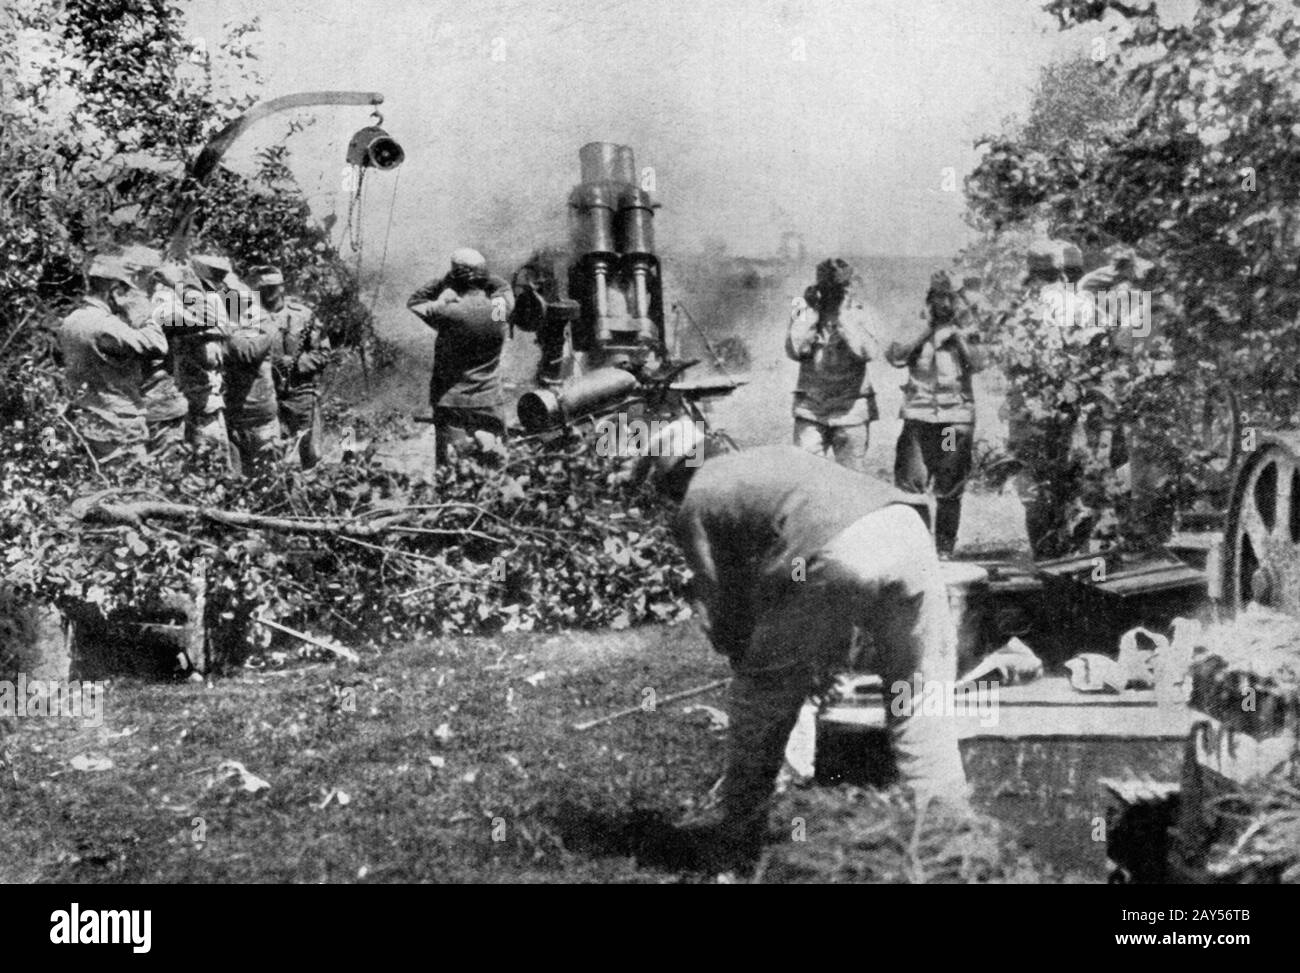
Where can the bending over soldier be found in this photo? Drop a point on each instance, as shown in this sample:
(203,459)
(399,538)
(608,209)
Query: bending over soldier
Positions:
(790,555)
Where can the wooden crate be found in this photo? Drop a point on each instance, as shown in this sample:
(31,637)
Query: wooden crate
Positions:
(1042,767)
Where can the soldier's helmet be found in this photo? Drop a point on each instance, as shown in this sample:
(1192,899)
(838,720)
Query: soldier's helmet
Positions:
(834,272)
(468,258)
(174,275)
(264,276)
(139,259)
(110,269)
(214,269)
(468,265)
(940,284)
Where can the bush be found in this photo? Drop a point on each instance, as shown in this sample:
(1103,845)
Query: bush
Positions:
(1180,143)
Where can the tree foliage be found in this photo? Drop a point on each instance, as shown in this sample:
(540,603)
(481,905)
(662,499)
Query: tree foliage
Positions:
(1186,147)
(535,541)
(102,106)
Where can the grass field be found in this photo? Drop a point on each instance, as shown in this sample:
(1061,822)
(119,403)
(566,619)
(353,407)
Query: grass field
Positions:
(439,762)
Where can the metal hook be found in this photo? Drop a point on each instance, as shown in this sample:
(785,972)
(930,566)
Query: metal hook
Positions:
(379,118)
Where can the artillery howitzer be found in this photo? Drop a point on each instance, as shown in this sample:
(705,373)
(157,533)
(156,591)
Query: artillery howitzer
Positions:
(611,393)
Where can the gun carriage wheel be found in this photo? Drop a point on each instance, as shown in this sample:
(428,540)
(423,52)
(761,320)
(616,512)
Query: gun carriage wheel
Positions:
(1261,549)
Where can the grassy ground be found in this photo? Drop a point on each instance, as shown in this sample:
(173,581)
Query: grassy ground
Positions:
(446,761)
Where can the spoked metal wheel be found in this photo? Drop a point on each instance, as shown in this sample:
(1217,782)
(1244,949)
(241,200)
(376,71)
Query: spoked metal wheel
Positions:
(1261,555)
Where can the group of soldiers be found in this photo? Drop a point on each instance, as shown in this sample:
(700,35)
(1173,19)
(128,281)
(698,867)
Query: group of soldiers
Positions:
(833,338)
(163,354)
(1070,328)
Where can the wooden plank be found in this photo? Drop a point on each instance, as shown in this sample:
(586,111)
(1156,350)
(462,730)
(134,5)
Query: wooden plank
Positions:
(1055,691)
(1039,723)
(1046,709)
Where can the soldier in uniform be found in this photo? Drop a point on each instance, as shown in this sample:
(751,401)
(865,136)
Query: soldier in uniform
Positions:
(300,351)
(935,445)
(468,309)
(538,309)
(791,556)
(1041,423)
(252,408)
(1120,293)
(104,360)
(832,339)
(194,315)
(165,406)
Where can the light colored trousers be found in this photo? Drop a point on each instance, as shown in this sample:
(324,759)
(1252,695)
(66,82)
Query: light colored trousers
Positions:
(880,575)
(846,445)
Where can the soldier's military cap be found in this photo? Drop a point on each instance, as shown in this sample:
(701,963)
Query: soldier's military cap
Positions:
(137,258)
(110,268)
(211,266)
(265,275)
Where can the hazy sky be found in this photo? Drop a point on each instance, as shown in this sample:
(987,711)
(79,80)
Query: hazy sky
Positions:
(833,119)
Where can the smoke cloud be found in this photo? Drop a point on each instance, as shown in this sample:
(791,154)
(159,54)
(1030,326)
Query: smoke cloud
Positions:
(849,125)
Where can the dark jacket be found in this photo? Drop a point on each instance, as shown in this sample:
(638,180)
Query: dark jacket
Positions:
(103,359)
(834,384)
(471,336)
(747,516)
(299,353)
(250,385)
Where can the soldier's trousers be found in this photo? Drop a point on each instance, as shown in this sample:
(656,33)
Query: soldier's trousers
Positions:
(459,428)
(880,575)
(1046,481)
(846,445)
(116,443)
(300,422)
(258,445)
(166,437)
(207,430)
(937,456)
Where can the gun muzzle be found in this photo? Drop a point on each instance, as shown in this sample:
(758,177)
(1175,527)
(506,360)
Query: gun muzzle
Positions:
(543,409)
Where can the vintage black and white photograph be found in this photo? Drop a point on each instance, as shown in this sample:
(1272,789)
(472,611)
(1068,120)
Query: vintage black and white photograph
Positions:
(661,442)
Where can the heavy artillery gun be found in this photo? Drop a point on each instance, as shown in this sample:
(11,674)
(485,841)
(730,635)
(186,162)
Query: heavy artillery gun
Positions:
(610,309)
(627,395)
(600,320)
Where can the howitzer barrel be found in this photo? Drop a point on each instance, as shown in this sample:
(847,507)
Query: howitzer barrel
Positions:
(543,409)
(607,162)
